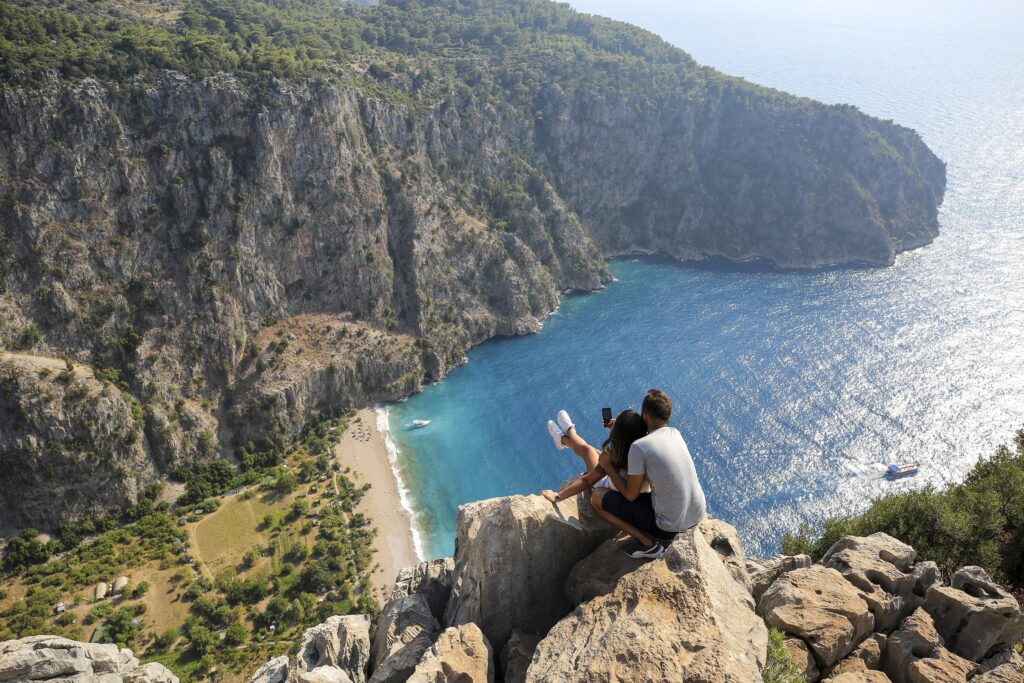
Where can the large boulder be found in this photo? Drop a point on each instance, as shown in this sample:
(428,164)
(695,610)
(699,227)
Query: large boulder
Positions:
(819,606)
(516,656)
(725,540)
(915,654)
(432,580)
(406,630)
(41,658)
(884,571)
(460,655)
(512,558)
(1001,674)
(865,657)
(803,658)
(274,671)
(597,573)
(680,618)
(763,573)
(860,677)
(341,642)
(974,615)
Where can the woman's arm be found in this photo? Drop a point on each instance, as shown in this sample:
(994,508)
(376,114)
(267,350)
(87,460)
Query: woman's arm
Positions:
(579,484)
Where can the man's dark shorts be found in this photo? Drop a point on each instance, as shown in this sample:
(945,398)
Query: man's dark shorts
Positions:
(639,513)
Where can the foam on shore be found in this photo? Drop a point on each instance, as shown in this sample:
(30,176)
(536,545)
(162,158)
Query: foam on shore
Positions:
(384,427)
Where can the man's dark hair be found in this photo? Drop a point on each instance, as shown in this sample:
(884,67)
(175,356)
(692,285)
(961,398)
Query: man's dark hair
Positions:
(657,404)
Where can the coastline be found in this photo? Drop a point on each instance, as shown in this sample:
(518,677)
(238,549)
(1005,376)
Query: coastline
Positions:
(366,448)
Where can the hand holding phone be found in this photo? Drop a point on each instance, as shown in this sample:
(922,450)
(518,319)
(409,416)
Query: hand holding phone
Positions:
(606,416)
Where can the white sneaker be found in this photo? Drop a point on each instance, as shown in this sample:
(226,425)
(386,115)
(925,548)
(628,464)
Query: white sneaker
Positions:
(564,421)
(556,434)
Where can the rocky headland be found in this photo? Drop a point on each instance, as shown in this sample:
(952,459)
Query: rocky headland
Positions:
(541,593)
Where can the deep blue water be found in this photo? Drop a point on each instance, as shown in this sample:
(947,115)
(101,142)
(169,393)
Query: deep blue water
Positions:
(793,389)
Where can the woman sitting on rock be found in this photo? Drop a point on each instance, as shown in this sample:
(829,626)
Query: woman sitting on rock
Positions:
(625,429)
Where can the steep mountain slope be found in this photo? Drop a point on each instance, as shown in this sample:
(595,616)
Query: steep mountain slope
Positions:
(324,205)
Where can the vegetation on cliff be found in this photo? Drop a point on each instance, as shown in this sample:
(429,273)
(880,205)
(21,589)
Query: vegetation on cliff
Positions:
(978,522)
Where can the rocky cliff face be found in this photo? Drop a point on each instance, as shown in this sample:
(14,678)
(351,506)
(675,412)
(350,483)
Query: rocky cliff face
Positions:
(241,260)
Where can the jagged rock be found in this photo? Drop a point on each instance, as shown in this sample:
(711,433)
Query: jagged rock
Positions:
(516,656)
(597,573)
(274,671)
(725,541)
(460,655)
(860,677)
(432,580)
(1001,658)
(40,658)
(883,569)
(324,674)
(974,615)
(865,657)
(802,657)
(822,608)
(406,630)
(512,558)
(683,617)
(915,654)
(341,642)
(763,573)
(1001,674)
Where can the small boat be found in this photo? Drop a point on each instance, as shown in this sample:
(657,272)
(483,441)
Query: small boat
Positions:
(897,471)
(416,424)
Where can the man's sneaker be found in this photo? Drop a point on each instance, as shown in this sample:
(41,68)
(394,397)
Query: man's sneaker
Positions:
(564,421)
(556,434)
(637,551)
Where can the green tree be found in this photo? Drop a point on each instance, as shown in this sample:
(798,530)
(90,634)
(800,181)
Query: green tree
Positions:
(236,634)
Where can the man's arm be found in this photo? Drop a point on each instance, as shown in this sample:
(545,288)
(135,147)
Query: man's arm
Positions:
(629,488)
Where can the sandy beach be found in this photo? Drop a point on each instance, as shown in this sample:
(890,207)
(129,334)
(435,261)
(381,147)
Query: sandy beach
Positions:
(362,447)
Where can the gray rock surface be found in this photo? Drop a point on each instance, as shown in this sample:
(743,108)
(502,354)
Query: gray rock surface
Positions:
(975,616)
(43,658)
(725,540)
(405,631)
(460,655)
(512,558)
(883,569)
(432,580)
(763,573)
(683,617)
(822,608)
(341,642)
(597,573)
(516,656)
(274,671)
(915,654)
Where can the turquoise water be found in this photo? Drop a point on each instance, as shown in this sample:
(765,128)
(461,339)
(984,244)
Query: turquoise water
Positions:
(793,389)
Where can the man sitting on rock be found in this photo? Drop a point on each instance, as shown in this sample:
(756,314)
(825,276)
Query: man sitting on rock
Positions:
(676,501)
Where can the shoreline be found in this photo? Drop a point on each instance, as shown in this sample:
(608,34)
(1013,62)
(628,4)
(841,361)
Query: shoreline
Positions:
(366,448)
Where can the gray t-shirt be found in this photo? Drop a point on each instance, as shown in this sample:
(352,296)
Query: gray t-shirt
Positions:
(676,494)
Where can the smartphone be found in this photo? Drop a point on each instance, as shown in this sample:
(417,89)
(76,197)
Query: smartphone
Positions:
(606,416)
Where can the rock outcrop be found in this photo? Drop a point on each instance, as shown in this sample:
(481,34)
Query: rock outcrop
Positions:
(763,573)
(460,655)
(432,580)
(915,654)
(44,658)
(820,607)
(517,655)
(406,630)
(883,569)
(512,558)
(974,615)
(681,618)
(340,643)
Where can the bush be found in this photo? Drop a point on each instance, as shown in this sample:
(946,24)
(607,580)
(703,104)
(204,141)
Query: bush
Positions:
(236,634)
(25,550)
(165,640)
(201,639)
(140,590)
(780,667)
(29,337)
(978,522)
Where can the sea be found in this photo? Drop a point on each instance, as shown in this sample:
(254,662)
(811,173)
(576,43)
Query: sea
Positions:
(793,389)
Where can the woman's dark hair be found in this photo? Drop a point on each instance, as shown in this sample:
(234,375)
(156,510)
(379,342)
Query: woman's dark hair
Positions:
(628,428)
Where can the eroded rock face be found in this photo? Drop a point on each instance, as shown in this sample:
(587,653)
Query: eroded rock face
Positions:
(724,540)
(597,573)
(406,630)
(974,615)
(915,654)
(819,606)
(683,617)
(341,642)
(460,655)
(432,580)
(512,558)
(516,656)
(1001,674)
(883,569)
(860,677)
(866,657)
(802,657)
(274,671)
(41,658)
(763,573)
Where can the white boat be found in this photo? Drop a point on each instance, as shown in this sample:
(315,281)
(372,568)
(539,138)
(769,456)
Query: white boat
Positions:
(416,424)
